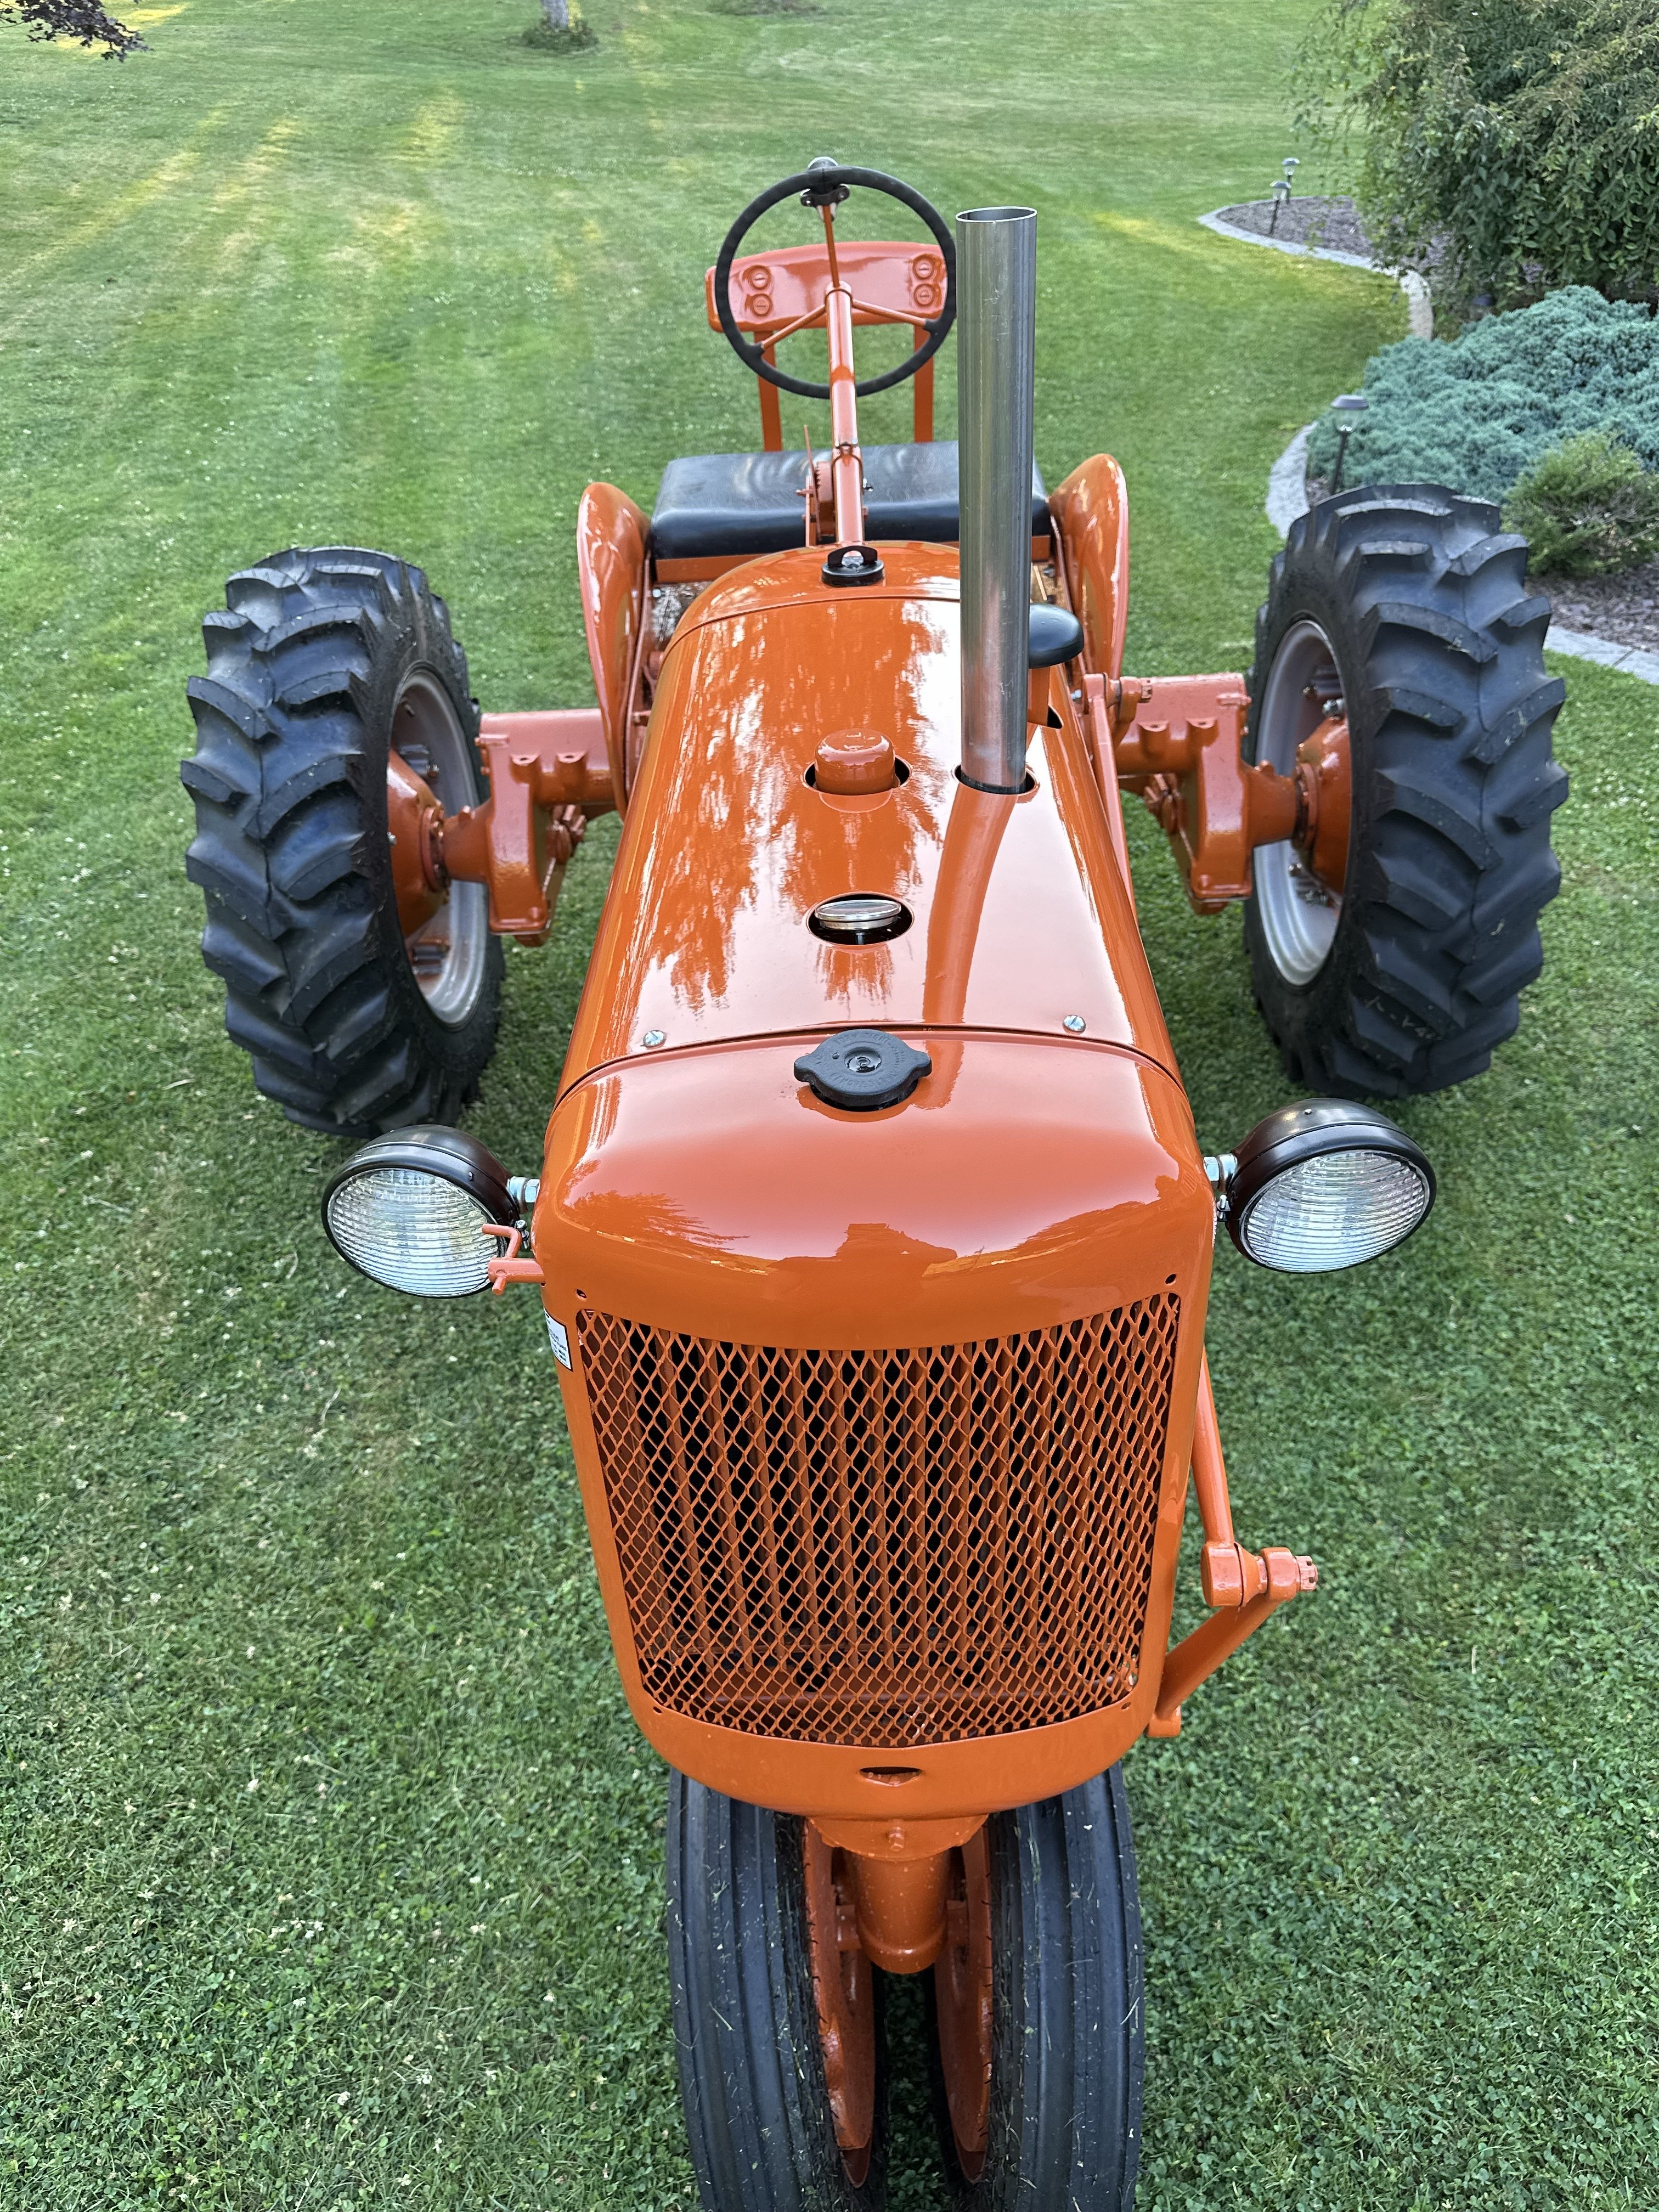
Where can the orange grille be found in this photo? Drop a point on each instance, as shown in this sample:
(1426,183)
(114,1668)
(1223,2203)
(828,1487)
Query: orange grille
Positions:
(886,1548)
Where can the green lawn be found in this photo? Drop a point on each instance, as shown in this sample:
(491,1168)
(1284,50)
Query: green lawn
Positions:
(331,1867)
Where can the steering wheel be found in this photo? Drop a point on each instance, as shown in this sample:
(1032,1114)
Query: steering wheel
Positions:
(824,184)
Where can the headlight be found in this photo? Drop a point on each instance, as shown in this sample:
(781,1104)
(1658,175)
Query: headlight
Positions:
(410,1209)
(1324,1185)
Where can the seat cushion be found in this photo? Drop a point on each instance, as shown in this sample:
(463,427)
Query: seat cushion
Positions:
(711,505)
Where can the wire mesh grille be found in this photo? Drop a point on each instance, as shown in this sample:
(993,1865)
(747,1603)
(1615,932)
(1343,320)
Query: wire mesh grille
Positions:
(886,1548)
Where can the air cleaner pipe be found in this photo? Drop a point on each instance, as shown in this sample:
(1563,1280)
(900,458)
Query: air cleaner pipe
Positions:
(996,347)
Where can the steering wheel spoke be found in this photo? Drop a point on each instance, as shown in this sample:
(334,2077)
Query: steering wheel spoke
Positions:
(817,182)
(893,315)
(812,320)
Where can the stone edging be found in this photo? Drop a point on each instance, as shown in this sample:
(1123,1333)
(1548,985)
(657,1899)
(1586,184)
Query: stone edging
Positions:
(1287,498)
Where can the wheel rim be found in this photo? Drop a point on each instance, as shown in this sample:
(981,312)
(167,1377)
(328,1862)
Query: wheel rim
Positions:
(961,2003)
(446,932)
(843,1991)
(1297,911)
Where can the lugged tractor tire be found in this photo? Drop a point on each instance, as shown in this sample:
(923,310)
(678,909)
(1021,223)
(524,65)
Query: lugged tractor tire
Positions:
(752,2079)
(1407,981)
(1067,2011)
(316,655)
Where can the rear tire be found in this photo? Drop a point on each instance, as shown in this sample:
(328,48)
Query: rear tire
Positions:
(1068,2049)
(752,2079)
(1406,980)
(323,659)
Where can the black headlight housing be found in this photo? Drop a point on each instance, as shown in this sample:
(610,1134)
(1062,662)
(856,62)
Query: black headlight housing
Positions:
(410,1210)
(1325,1184)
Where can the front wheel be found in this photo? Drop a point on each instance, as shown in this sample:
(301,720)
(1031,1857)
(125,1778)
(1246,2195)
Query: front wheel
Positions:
(1037,2004)
(1398,647)
(777,2027)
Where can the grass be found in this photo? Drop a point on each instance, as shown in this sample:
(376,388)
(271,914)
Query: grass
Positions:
(330,1872)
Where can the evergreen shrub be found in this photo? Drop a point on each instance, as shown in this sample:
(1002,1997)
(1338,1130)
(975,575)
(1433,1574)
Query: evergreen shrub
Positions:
(1477,414)
(1588,507)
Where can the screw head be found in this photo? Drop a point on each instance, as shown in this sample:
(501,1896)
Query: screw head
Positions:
(655,1037)
(1075,1023)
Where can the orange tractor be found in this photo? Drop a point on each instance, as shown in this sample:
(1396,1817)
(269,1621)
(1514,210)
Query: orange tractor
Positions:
(871,1228)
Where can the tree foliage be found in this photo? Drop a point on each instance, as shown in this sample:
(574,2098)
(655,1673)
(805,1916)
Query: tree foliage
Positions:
(82,20)
(1506,146)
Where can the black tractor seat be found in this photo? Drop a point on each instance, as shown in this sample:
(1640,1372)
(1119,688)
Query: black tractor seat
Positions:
(714,504)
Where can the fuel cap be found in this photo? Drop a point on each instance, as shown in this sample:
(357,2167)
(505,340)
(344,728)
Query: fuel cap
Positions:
(862,1069)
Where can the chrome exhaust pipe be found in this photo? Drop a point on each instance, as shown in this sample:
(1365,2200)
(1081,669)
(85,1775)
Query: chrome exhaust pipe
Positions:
(996,393)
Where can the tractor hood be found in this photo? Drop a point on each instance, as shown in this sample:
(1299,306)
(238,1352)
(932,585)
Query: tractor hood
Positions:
(1023,1183)
(1021,921)
(1046,1167)
(824,1367)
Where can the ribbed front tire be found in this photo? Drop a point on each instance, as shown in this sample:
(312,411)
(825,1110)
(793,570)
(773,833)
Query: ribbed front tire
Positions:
(758,2110)
(1067,2012)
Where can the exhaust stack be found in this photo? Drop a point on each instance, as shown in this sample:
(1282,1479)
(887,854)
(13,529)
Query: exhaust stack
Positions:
(996,346)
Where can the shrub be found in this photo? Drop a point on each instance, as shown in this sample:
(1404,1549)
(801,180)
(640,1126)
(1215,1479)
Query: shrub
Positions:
(1479,413)
(1506,146)
(1587,508)
(561,38)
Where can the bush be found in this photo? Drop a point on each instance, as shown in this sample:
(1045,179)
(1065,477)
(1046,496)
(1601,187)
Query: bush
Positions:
(1477,414)
(1587,508)
(562,39)
(1507,146)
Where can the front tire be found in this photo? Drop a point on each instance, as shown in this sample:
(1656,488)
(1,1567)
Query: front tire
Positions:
(358,1017)
(1059,1908)
(1407,602)
(759,2110)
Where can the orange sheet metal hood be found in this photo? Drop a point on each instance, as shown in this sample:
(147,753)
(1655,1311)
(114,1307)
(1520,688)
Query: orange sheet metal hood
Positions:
(708,1199)
(1021,915)
(709,1192)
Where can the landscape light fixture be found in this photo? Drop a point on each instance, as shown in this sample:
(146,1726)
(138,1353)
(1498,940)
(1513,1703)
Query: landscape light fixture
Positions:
(1348,406)
(1281,190)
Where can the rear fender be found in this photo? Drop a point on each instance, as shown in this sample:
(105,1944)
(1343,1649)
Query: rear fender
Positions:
(610,562)
(1092,510)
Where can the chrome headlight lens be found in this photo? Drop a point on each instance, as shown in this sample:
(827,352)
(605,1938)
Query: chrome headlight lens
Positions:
(1324,1185)
(410,1209)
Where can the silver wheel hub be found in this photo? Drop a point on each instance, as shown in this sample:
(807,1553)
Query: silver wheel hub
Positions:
(448,953)
(1297,912)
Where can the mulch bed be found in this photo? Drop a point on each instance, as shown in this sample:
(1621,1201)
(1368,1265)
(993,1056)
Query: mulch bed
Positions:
(1313,220)
(1624,608)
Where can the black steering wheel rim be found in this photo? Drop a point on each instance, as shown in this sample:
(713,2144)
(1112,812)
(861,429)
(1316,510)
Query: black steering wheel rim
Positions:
(821,180)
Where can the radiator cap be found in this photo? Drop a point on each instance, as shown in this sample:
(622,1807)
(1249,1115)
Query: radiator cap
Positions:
(862,1069)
